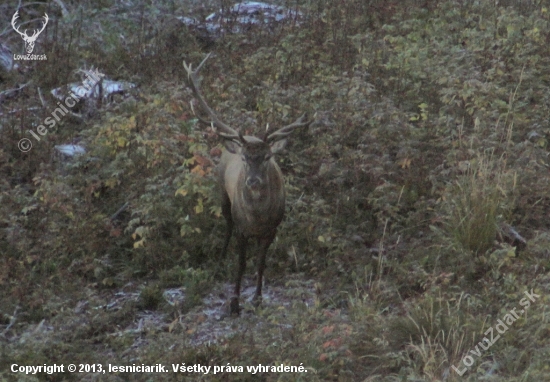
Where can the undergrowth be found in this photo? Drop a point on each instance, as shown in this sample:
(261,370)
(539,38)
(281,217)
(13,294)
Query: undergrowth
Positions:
(430,143)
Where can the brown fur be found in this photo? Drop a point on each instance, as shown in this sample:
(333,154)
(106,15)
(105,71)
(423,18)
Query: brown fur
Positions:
(252,213)
(252,186)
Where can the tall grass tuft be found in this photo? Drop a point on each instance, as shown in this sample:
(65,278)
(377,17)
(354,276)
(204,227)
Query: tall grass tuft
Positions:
(477,201)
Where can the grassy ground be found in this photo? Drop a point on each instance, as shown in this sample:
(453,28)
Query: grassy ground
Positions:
(416,241)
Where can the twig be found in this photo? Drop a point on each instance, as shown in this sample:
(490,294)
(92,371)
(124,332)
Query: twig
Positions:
(19,110)
(63,7)
(13,318)
(6,93)
(119,211)
(76,115)
(8,28)
(41,98)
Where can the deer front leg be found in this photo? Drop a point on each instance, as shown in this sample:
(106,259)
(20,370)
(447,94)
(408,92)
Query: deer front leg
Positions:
(226,211)
(265,242)
(241,248)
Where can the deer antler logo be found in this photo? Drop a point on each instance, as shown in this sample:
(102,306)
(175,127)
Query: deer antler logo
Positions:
(29,40)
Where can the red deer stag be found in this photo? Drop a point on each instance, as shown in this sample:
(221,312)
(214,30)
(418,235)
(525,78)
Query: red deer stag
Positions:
(252,185)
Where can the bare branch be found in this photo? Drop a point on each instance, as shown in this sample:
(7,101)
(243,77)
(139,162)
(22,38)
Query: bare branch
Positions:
(63,7)
(9,92)
(13,318)
(120,210)
(41,98)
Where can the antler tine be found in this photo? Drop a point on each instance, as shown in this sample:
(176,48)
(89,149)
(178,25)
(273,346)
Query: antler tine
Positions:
(231,137)
(238,137)
(214,120)
(285,131)
(202,62)
(241,137)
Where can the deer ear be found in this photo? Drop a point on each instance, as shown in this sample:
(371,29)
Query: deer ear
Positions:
(232,146)
(278,146)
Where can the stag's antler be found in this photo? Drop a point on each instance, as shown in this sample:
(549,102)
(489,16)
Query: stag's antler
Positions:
(285,131)
(222,129)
